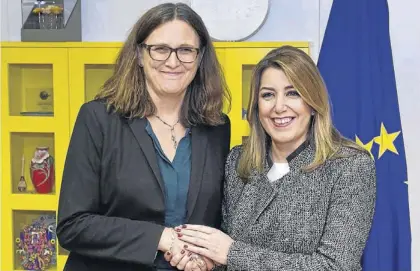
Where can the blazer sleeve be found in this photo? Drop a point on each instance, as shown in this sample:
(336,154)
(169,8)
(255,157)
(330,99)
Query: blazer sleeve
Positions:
(232,188)
(345,233)
(82,226)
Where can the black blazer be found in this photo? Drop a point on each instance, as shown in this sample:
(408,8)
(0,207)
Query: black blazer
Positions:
(111,208)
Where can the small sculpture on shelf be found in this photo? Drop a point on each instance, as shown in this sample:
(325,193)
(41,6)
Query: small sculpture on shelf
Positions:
(38,102)
(42,170)
(50,16)
(22,182)
(36,244)
(244,113)
(44,95)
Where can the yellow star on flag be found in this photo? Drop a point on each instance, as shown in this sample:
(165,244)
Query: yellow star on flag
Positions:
(386,141)
(367,146)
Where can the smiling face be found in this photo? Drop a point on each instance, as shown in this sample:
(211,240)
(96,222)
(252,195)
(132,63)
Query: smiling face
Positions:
(283,114)
(171,76)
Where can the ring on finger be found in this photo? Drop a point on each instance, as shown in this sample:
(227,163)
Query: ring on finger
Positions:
(193,257)
(200,262)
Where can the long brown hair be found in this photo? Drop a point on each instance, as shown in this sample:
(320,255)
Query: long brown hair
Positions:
(125,91)
(303,74)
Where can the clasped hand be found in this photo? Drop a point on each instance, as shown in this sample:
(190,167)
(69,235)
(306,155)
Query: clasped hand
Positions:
(211,244)
(183,259)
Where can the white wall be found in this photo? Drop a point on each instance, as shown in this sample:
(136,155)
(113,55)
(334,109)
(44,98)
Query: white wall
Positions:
(405,40)
(287,20)
(296,20)
(96,25)
(11,20)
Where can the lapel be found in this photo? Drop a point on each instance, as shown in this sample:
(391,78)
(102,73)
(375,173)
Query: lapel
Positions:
(255,198)
(138,127)
(198,157)
(260,192)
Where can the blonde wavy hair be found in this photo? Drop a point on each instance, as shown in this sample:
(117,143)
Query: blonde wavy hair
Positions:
(303,74)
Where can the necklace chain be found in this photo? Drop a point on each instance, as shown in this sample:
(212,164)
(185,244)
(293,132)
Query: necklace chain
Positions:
(172,127)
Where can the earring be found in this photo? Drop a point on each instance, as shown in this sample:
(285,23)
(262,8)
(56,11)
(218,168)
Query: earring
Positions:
(313,113)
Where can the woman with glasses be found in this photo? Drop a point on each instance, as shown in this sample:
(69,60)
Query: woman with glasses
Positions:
(148,153)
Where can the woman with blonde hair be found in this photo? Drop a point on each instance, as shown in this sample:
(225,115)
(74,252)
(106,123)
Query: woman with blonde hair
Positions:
(297,194)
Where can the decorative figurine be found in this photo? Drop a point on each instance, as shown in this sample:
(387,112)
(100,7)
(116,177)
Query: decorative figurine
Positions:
(244,113)
(35,245)
(22,182)
(42,170)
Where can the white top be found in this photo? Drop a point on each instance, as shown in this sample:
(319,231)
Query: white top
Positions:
(277,171)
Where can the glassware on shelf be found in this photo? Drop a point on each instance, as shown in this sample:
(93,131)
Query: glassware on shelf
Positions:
(22,182)
(49,16)
(43,14)
(42,170)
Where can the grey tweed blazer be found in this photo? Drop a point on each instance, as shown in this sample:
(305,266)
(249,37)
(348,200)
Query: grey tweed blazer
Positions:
(303,221)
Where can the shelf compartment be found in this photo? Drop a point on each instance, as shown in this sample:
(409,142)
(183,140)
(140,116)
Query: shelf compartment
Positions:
(31,91)
(32,163)
(35,240)
(95,76)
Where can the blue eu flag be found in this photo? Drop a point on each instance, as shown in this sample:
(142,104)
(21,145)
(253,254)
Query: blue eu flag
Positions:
(356,63)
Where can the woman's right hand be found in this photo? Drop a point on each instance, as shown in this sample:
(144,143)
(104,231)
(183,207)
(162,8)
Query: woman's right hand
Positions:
(175,252)
(189,261)
(167,240)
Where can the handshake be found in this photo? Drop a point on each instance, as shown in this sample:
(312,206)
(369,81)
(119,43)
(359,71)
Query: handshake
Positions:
(180,257)
(195,247)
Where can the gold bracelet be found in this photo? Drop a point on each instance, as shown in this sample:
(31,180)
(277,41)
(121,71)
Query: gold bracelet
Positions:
(172,240)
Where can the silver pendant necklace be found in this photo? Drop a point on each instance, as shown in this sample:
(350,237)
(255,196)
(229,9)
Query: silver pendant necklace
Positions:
(172,127)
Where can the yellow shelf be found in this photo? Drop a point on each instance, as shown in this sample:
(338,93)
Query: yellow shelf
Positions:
(33,202)
(29,124)
(62,258)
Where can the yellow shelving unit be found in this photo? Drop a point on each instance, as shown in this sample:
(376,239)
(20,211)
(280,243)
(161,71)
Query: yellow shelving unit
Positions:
(35,112)
(43,87)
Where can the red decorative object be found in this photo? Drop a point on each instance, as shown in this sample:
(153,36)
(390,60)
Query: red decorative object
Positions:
(42,170)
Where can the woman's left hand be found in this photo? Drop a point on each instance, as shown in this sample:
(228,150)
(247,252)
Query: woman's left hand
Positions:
(206,241)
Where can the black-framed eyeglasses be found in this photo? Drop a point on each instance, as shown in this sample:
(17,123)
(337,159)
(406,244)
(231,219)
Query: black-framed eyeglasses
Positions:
(163,52)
